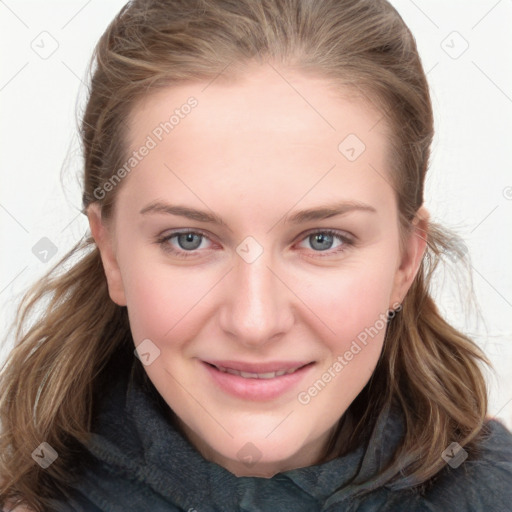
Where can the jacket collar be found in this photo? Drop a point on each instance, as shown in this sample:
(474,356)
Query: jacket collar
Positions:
(136,440)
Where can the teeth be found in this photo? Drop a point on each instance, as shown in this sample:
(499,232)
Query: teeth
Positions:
(249,375)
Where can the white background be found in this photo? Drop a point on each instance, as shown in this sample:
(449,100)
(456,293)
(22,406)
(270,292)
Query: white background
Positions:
(469,187)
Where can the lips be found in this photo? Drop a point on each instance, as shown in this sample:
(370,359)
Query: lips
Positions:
(257,381)
(256,375)
(258,370)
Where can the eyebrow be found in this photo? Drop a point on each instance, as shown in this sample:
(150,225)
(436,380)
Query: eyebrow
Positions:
(311,214)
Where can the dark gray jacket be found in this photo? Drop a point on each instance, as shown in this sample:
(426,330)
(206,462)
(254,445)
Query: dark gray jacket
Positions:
(138,461)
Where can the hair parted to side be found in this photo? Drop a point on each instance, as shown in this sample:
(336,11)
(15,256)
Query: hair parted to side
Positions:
(50,381)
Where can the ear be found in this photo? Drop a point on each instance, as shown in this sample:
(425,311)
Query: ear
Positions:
(412,255)
(104,239)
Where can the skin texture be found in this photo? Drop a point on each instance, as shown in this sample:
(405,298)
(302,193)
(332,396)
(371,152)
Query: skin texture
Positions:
(254,152)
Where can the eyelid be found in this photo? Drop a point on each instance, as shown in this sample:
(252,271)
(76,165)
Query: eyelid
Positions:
(340,233)
(335,232)
(167,235)
(178,231)
(347,241)
(346,238)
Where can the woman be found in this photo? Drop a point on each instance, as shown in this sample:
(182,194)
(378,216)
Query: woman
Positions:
(249,326)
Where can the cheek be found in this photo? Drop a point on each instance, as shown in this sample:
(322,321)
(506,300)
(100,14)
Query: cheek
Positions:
(354,308)
(160,298)
(350,301)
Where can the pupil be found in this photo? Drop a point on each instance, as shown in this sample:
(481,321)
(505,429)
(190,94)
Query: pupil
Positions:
(186,241)
(324,240)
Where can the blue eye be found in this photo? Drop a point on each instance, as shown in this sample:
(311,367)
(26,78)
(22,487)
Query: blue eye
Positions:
(322,241)
(188,243)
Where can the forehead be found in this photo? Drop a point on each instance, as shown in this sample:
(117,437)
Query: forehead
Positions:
(267,129)
(266,98)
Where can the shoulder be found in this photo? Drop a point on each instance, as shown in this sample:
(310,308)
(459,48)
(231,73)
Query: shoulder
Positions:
(481,482)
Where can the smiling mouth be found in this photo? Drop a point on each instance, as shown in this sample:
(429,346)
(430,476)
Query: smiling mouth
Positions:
(251,375)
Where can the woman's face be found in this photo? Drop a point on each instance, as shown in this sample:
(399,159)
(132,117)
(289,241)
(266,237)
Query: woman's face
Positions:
(257,233)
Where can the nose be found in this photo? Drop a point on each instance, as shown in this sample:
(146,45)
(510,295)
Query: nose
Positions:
(258,306)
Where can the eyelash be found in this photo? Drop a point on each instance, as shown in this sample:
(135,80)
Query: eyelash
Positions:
(163,241)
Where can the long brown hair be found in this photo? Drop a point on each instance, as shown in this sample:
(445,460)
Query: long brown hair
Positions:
(50,380)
